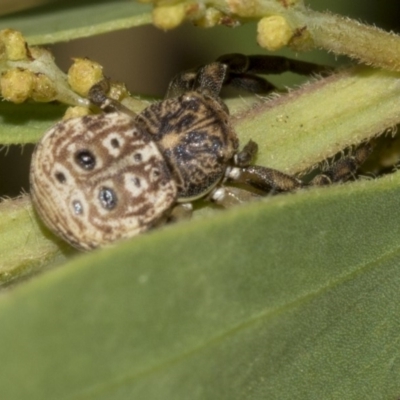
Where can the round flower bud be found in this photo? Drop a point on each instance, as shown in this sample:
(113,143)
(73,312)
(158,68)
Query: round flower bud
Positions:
(273,32)
(16,85)
(83,74)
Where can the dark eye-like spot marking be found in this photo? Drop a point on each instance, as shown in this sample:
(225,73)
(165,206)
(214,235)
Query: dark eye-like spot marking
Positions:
(77,205)
(156,173)
(115,143)
(137,182)
(137,157)
(85,159)
(108,198)
(60,177)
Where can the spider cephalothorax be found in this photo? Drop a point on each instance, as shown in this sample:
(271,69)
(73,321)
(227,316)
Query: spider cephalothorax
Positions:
(103,177)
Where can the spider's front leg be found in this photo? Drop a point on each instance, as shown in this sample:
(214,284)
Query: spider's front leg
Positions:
(271,180)
(267,180)
(263,178)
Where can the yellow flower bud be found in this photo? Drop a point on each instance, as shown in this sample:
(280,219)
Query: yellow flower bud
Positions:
(169,17)
(273,32)
(83,74)
(78,111)
(14,45)
(16,85)
(43,89)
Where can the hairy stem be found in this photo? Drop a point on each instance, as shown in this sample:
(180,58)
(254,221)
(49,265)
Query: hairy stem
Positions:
(328,31)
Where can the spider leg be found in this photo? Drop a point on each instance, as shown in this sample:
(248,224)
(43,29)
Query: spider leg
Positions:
(250,83)
(266,64)
(242,70)
(98,96)
(244,157)
(208,80)
(181,83)
(268,179)
(344,168)
(264,178)
(231,196)
(180,212)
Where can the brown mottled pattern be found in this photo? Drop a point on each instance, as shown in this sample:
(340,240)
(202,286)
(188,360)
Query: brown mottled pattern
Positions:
(196,138)
(127,162)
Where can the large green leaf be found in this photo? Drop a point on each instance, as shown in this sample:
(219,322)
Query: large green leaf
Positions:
(67,20)
(293,297)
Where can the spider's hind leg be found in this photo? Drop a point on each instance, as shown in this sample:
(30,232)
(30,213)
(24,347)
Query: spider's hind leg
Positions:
(243,70)
(240,71)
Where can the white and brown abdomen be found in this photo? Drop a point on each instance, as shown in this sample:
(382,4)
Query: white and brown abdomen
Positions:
(99,178)
(195,136)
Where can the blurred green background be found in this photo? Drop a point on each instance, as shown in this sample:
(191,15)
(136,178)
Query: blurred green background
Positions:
(146,58)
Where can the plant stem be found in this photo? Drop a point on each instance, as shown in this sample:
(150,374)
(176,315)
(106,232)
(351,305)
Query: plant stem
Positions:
(338,34)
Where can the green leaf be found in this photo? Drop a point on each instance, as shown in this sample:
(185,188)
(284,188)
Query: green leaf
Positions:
(25,245)
(313,123)
(26,123)
(11,6)
(293,297)
(67,20)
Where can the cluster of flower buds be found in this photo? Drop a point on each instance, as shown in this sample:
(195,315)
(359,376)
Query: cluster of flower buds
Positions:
(30,73)
(19,83)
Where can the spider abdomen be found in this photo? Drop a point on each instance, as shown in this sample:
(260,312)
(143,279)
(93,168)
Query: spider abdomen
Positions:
(99,178)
